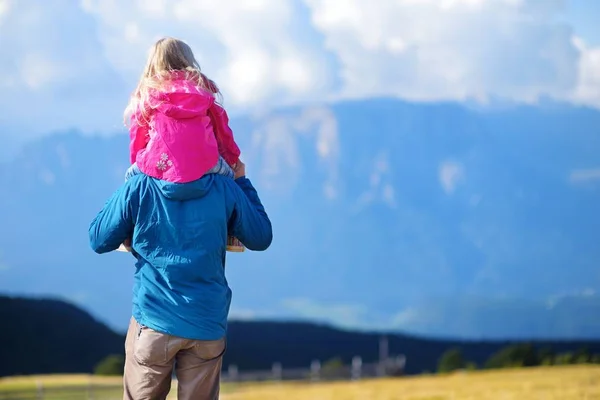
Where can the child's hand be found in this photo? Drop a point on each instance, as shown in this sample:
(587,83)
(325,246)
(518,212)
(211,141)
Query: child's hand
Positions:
(239,170)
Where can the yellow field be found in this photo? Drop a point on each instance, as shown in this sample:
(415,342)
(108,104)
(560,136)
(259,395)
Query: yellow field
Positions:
(553,383)
(49,381)
(61,387)
(550,383)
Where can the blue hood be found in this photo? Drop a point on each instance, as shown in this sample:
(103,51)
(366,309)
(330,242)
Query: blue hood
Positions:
(185,191)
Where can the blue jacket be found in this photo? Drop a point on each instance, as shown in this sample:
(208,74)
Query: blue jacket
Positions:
(179,236)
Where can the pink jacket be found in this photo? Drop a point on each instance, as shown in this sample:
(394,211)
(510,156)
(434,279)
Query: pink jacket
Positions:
(182,135)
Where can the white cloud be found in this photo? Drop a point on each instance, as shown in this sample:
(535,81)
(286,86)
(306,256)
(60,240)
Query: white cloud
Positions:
(405,318)
(38,71)
(380,188)
(63,156)
(47,177)
(73,64)
(275,152)
(587,90)
(588,292)
(80,297)
(255,50)
(342,315)
(278,51)
(242,314)
(584,175)
(554,300)
(440,50)
(53,74)
(4,8)
(39,57)
(276,148)
(389,195)
(451,173)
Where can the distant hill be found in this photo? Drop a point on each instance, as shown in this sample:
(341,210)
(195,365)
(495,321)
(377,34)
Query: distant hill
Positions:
(49,336)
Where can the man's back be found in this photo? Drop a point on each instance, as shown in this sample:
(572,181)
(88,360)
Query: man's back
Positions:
(179,242)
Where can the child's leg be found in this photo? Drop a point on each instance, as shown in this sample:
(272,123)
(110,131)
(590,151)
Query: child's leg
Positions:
(131,171)
(222,168)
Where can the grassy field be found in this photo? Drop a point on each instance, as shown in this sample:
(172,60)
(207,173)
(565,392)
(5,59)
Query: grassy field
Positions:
(61,387)
(553,383)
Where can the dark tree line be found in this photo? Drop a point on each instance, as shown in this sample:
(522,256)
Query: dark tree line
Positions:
(512,356)
(516,356)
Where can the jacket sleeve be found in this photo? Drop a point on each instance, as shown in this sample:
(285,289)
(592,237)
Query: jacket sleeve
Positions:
(138,136)
(115,222)
(228,149)
(249,221)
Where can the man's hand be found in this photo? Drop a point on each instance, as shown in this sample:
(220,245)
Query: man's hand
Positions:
(239,170)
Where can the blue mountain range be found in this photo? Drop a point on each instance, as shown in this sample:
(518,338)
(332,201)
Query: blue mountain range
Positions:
(436,219)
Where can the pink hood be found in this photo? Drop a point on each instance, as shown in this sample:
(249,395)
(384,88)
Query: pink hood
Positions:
(181,100)
(186,133)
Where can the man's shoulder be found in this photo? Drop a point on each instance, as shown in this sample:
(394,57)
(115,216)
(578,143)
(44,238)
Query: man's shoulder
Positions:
(220,181)
(137,180)
(236,186)
(136,184)
(222,186)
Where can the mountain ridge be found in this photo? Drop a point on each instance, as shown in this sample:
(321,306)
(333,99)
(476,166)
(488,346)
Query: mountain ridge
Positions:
(47,336)
(384,211)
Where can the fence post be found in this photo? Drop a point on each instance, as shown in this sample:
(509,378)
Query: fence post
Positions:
(356,367)
(40,390)
(90,391)
(401,360)
(383,355)
(315,370)
(232,372)
(277,371)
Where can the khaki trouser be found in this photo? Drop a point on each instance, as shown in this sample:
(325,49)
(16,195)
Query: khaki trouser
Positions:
(150,357)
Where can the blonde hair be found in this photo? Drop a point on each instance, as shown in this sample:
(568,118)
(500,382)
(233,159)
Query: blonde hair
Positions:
(166,56)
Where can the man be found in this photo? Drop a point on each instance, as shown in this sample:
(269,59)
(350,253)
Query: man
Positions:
(181,297)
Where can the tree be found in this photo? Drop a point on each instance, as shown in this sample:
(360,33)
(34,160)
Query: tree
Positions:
(451,360)
(547,361)
(582,356)
(111,365)
(471,366)
(517,355)
(333,364)
(332,367)
(546,356)
(564,359)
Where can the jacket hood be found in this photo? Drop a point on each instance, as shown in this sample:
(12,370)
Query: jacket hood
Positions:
(185,191)
(182,100)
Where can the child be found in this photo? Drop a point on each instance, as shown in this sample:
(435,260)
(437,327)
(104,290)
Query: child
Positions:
(178,132)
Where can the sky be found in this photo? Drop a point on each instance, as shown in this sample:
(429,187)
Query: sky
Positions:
(70,64)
